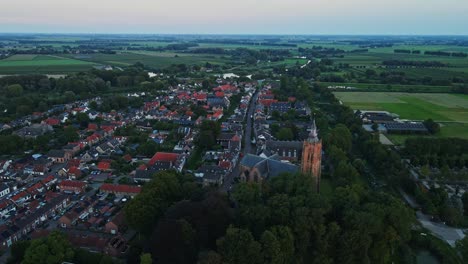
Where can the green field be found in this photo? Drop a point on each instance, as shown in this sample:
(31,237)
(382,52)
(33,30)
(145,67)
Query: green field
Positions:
(149,58)
(18,64)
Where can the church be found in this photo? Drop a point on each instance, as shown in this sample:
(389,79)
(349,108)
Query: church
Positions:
(255,168)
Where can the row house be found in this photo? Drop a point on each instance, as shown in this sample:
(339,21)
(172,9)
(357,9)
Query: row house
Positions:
(70,186)
(20,227)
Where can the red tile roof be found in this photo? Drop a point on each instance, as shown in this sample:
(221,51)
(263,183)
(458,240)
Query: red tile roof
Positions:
(127,158)
(104,165)
(75,171)
(164,157)
(67,183)
(200,96)
(48,179)
(120,188)
(92,126)
(219,94)
(52,121)
(18,196)
(225,164)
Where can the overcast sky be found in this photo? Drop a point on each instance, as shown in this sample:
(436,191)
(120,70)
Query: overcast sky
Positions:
(438,17)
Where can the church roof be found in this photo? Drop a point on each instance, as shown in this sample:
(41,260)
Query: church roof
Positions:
(268,167)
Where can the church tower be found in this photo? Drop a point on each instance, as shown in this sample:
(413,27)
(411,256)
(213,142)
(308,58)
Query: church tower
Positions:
(312,156)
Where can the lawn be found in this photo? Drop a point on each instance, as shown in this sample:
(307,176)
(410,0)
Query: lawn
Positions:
(22,64)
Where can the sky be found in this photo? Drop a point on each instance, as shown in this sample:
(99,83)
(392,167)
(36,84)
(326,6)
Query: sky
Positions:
(330,17)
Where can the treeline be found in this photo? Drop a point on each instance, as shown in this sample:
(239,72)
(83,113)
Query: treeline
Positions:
(169,47)
(22,94)
(272,42)
(320,52)
(414,63)
(437,152)
(433,53)
(444,53)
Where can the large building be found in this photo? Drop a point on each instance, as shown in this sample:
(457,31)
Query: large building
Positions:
(312,156)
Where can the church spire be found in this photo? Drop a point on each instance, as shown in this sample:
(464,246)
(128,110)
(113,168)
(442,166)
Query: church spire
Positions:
(313,135)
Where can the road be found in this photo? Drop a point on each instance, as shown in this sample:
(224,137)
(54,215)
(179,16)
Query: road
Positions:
(442,231)
(247,147)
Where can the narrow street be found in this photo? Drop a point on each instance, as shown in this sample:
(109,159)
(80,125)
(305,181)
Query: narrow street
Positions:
(247,145)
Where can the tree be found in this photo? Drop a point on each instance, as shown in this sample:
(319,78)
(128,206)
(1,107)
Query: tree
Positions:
(462,247)
(238,246)
(70,134)
(209,257)
(18,249)
(285,133)
(432,126)
(146,258)
(340,136)
(465,203)
(14,90)
(54,249)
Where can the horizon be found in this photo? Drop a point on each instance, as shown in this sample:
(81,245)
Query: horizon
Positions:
(275,17)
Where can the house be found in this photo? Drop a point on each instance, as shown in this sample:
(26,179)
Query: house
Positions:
(93,127)
(80,211)
(281,107)
(59,156)
(72,148)
(70,186)
(21,197)
(49,181)
(34,130)
(116,224)
(52,121)
(227,139)
(23,225)
(6,207)
(104,165)
(211,174)
(169,160)
(74,172)
(120,189)
(4,190)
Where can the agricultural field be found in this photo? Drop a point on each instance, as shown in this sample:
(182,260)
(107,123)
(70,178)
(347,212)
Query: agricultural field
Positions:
(149,58)
(18,64)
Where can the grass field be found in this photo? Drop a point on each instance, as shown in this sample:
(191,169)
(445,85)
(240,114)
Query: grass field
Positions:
(19,64)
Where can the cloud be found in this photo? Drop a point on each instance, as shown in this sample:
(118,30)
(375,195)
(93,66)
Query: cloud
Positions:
(241,16)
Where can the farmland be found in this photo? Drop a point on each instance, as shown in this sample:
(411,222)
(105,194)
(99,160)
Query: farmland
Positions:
(42,64)
(149,58)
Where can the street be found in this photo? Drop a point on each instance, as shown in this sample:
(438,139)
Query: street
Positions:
(247,146)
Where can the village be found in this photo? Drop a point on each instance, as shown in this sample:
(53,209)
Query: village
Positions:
(82,187)
(79,187)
